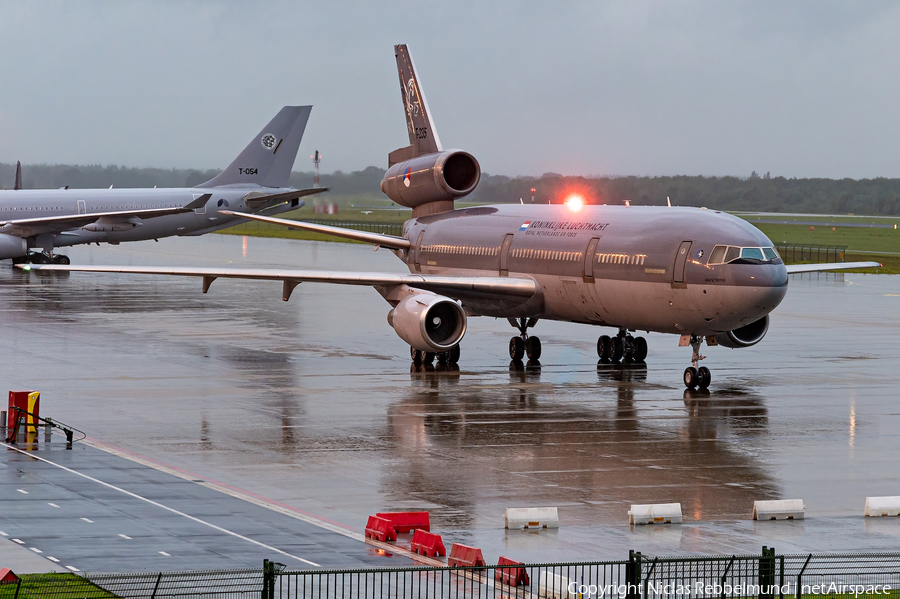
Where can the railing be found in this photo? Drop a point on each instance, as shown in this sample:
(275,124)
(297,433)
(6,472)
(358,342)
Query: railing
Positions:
(766,576)
(386,228)
(795,253)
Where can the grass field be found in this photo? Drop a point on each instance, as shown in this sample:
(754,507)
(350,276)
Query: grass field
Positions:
(58,586)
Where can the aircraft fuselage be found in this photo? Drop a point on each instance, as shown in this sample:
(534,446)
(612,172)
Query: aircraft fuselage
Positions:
(636,267)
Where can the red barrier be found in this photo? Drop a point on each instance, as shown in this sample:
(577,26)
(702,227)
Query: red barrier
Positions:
(511,576)
(380,529)
(427,543)
(407,521)
(463,555)
(7,576)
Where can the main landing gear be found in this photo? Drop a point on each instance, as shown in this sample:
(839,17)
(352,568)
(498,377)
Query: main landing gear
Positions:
(42,258)
(448,358)
(523,345)
(622,347)
(695,377)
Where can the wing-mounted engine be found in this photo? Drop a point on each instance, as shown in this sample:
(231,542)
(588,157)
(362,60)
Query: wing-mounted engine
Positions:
(430,183)
(428,321)
(12,246)
(747,335)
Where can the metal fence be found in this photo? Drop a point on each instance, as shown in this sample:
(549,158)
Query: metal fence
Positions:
(793,253)
(765,575)
(386,228)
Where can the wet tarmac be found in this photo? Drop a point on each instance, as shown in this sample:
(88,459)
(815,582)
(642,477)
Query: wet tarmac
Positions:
(314,404)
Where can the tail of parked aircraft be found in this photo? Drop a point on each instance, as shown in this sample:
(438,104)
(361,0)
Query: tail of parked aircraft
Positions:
(423,137)
(269,158)
(18,183)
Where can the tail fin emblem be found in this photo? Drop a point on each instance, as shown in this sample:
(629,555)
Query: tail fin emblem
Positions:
(406,176)
(268,141)
(412,102)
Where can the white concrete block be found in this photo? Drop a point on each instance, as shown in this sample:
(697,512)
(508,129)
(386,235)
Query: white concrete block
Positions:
(655,513)
(779,509)
(554,586)
(883,506)
(531,517)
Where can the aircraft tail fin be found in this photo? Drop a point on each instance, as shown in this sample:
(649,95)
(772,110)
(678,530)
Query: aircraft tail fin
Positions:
(18,184)
(269,158)
(423,137)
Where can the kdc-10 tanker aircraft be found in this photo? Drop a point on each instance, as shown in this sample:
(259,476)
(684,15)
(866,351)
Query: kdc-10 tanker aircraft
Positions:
(701,274)
(34,223)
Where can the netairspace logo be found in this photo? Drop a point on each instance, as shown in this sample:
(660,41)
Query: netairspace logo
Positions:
(700,589)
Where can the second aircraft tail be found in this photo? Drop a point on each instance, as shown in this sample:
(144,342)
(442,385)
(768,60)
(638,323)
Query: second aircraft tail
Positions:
(268,159)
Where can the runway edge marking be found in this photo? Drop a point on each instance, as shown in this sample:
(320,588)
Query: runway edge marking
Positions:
(249,497)
(157,504)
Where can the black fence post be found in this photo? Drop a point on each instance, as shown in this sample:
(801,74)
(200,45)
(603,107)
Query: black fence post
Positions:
(767,573)
(633,575)
(268,590)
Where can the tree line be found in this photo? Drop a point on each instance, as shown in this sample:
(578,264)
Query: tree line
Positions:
(880,196)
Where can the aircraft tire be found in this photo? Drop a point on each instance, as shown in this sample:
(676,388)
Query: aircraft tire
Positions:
(603,347)
(691,376)
(61,259)
(414,355)
(533,348)
(453,354)
(516,348)
(704,377)
(640,349)
(616,349)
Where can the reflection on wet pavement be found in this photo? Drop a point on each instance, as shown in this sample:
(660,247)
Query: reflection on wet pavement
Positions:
(314,403)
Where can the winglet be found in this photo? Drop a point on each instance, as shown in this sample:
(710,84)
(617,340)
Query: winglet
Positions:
(199,202)
(423,137)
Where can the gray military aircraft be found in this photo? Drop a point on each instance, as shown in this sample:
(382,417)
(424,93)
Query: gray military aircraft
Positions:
(35,222)
(702,274)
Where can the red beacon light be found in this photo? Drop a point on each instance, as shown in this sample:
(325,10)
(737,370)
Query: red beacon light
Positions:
(575,202)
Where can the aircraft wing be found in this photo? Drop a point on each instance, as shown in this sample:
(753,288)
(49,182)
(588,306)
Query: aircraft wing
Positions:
(796,268)
(451,286)
(28,227)
(380,239)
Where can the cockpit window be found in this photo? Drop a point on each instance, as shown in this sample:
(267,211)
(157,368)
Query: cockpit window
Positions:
(724,254)
(752,253)
(718,255)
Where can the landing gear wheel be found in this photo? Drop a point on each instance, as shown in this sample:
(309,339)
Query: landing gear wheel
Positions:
(616,349)
(627,348)
(60,259)
(603,347)
(704,377)
(691,377)
(533,348)
(516,348)
(450,356)
(420,356)
(640,349)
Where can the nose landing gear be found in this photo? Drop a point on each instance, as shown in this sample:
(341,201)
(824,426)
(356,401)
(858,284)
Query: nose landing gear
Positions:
(695,377)
(42,258)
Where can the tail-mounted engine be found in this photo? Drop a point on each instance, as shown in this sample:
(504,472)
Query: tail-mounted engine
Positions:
(431,182)
(747,335)
(429,322)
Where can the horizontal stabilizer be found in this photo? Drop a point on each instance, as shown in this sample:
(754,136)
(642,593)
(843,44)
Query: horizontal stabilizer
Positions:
(256,200)
(798,268)
(388,241)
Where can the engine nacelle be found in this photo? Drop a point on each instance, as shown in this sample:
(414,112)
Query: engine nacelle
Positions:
(432,178)
(747,335)
(12,246)
(429,322)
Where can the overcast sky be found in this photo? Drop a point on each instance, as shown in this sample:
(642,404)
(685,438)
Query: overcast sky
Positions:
(801,89)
